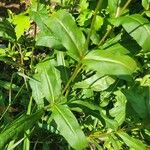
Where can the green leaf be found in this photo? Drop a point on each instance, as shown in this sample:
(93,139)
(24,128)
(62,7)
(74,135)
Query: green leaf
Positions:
(69,127)
(50,80)
(95,111)
(45,37)
(146,4)
(132,142)
(17,127)
(107,62)
(138,98)
(36,90)
(64,30)
(7,30)
(119,109)
(98,22)
(22,22)
(95,82)
(139,28)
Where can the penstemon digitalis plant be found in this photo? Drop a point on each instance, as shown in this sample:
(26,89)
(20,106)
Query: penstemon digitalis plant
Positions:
(82,76)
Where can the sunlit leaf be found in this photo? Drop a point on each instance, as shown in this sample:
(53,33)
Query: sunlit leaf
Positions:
(69,127)
(139,28)
(22,24)
(132,142)
(110,63)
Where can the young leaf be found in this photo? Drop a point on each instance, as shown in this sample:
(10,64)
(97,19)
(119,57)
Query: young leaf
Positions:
(18,126)
(69,127)
(132,142)
(139,28)
(22,23)
(50,80)
(109,63)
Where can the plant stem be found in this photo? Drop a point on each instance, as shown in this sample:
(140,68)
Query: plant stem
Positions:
(79,66)
(118,14)
(92,24)
(26,144)
(75,73)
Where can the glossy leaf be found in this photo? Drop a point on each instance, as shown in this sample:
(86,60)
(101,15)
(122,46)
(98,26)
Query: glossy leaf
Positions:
(69,127)
(109,63)
(18,126)
(139,28)
(132,142)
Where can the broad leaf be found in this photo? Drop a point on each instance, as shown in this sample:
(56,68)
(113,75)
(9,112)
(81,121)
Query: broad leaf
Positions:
(132,142)
(18,126)
(69,127)
(139,28)
(96,83)
(50,80)
(107,62)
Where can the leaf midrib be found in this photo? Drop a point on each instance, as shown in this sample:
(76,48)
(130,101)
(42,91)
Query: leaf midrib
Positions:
(74,43)
(65,119)
(111,61)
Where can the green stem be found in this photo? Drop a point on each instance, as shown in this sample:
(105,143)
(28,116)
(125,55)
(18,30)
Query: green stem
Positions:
(92,24)
(26,145)
(75,73)
(118,14)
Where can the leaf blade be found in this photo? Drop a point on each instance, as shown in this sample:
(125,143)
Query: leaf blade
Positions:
(69,127)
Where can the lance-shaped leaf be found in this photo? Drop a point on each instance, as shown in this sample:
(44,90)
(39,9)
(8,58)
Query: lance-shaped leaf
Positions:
(139,28)
(50,80)
(18,126)
(68,127)
(109,63)
(61,25)
(132,142)
(45,37)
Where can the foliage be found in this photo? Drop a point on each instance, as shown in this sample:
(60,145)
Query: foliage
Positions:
(78,72)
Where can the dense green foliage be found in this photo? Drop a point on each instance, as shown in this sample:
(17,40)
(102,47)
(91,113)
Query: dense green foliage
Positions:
(75,75)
